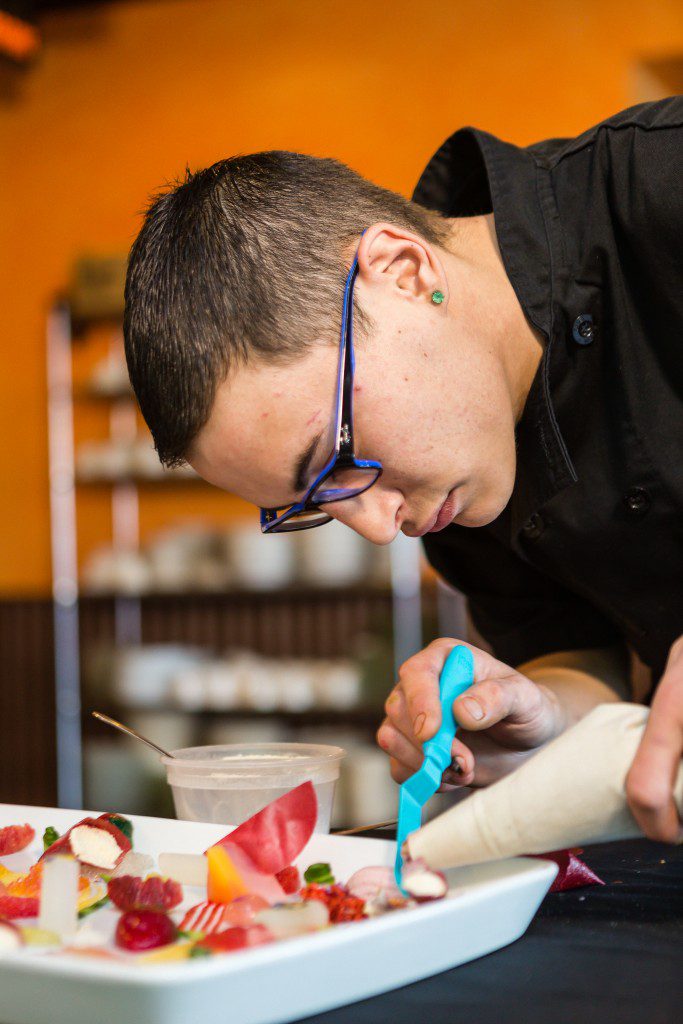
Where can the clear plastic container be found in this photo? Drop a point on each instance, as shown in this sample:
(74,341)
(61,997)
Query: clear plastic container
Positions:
(227,784)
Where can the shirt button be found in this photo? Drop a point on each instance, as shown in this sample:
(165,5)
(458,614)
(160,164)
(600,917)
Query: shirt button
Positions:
(534,526)
(583,330)
(637,501)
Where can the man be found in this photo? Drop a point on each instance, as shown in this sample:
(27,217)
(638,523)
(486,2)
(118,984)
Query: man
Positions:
(516,399)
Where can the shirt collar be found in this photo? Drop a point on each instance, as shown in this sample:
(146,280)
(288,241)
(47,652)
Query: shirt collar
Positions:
(474,173)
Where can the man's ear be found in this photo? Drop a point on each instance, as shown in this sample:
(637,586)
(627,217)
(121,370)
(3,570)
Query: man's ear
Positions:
(392,257)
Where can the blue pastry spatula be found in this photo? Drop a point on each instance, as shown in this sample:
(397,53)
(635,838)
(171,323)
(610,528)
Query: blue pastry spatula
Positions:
(456,676)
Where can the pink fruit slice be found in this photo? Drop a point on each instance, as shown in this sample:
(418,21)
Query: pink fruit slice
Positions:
(256,882)
(242,911)
(277,834)
(234,939)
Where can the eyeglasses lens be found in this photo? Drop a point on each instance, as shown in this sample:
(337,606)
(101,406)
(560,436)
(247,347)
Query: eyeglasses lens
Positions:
(345,482)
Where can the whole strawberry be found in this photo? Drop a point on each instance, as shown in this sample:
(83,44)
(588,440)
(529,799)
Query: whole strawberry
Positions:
(144,929)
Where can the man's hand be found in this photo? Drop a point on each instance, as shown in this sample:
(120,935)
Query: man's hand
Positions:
(649,784)
(504,717)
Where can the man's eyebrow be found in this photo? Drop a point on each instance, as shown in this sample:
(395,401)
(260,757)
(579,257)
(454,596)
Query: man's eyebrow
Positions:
(303,462)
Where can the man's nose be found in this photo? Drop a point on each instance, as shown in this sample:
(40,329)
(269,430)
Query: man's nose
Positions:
(374,515)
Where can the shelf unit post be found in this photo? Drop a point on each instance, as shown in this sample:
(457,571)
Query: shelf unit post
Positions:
(64,557)
(406,587)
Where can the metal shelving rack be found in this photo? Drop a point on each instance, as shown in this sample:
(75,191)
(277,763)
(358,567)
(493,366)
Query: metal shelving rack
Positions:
(406,601)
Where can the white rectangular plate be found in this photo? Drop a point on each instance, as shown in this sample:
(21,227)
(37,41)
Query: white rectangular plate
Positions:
(487,907)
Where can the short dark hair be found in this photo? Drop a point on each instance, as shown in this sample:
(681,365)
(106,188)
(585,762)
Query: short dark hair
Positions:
(244,259)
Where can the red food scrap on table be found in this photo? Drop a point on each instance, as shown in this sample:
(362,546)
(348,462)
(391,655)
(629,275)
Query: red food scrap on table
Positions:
(573,873)
(14,838)
(277,834)
(130,893)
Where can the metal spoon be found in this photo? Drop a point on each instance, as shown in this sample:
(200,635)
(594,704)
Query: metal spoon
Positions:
(131,732)
(364,828)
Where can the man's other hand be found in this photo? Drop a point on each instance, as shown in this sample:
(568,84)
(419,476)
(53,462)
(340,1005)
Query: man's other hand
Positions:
(649,784)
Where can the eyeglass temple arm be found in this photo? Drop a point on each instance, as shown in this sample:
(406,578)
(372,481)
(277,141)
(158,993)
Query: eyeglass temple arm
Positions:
(346,420)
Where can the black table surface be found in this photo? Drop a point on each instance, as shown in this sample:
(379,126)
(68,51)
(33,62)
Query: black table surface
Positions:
(596,955)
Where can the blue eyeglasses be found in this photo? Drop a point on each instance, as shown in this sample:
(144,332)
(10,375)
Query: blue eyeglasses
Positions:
(344,476)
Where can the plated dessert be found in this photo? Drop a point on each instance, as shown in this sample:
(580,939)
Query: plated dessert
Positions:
(243,891)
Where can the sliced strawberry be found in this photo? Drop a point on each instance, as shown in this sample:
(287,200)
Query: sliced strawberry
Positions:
(276,835)
(130,893)
(14,838)
(144,929)
(290,879)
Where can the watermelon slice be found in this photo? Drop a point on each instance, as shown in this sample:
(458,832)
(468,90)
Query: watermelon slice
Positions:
(274,836)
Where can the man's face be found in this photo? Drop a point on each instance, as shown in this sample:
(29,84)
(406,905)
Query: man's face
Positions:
(431,403)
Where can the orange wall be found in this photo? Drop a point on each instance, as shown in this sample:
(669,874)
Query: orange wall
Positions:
(123,96)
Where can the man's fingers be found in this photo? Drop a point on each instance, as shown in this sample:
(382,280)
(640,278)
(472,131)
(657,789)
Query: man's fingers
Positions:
(398,747)
(649,783)
(399,772)
(418,681)
(486,703)
(461,771)
(398,715)
(402,753)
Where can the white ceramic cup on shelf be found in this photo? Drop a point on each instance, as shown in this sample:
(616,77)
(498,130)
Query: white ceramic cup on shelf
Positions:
(260,562)
(332,556)
(143,673)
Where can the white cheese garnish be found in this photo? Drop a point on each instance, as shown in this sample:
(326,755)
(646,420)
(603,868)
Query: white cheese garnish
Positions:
(94,846)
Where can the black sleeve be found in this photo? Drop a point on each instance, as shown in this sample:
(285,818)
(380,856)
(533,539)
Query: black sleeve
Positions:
(519,611)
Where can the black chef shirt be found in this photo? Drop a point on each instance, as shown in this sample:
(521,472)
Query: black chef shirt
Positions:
(589,550)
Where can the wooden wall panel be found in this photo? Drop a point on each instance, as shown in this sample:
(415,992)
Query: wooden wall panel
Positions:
(27,704)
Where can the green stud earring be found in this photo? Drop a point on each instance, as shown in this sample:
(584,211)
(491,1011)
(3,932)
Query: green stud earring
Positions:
(438,297)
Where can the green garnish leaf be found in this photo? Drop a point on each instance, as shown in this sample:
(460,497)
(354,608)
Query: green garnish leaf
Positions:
(319,874)
(93,907)
(50,836)
(124,825)
(199,951)
(192,936)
